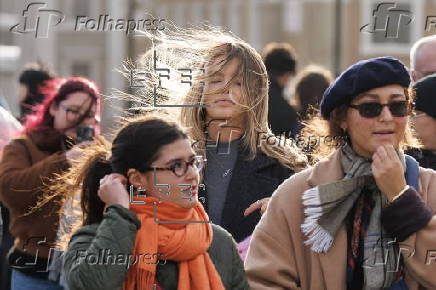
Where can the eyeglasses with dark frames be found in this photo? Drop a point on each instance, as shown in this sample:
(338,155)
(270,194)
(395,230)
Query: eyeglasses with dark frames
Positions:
(374,109)
(75,114)
(180,167)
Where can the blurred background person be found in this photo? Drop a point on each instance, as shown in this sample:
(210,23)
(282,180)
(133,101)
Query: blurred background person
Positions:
(31,79)
(68,116)
(281,64)
(423,58)
(9,127)
(424,121)
(310,85)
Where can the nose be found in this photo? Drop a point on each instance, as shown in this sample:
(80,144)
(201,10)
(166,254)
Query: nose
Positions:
(192,174)
(386,114)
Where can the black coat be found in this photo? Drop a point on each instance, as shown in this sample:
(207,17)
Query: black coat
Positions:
(282,117)
(251,180)
(425,158)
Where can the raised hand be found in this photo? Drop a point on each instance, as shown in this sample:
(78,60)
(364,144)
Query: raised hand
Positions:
(388,171)
(113,190)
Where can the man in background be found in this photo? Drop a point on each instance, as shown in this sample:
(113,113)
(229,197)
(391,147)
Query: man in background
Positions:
(424,121)
(280,62)
(423,58)
(31,79)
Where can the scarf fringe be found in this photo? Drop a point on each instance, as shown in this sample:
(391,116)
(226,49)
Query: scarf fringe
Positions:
(311,197)
(318,238)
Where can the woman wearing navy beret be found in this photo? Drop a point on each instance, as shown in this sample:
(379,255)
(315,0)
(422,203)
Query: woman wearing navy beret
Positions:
(363,216)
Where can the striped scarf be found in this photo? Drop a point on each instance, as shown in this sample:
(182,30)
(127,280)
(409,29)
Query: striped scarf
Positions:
(327,206)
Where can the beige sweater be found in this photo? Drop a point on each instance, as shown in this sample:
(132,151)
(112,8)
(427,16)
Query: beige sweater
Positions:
(278,259)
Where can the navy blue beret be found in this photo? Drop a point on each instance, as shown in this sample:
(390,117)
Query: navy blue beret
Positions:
(361,77)
(425,95)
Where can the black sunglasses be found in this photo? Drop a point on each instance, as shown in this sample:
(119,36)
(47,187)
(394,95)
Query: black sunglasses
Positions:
(374,109)
(180,167)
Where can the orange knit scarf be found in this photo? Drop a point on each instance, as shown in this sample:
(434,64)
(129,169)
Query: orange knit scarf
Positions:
(185,242)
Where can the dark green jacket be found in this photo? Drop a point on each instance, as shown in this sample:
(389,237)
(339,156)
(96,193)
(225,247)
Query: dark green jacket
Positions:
(86,268)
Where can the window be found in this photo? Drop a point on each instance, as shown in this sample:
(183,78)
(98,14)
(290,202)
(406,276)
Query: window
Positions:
(80,69)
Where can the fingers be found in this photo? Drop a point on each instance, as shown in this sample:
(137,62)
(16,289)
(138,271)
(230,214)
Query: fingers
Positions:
(253,207)
(390,150)
(119,177)
(386,152)
(261,204)
(381,152)
(388,170)
(264,207)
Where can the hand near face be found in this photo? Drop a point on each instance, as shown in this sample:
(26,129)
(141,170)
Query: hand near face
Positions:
(113,190)
(388,171)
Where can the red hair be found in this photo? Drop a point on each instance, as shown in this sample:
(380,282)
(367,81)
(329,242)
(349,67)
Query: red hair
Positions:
(56,91)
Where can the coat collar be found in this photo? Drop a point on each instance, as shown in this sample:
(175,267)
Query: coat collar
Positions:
(327,170)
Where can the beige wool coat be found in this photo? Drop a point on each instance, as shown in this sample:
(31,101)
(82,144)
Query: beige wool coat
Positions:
(279,259)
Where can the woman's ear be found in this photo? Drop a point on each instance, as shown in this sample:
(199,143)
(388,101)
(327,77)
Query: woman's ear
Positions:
(343,124)
(136,178)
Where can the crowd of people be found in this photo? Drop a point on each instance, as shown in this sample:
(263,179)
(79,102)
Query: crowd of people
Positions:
(192,197)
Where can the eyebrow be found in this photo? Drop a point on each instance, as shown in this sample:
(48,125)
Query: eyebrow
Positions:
(178,159)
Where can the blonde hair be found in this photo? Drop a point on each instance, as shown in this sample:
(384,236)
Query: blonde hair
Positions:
(176,48)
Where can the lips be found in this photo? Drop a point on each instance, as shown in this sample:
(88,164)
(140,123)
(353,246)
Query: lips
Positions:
(194,190)
(383,134)
(224,102)
(191,190)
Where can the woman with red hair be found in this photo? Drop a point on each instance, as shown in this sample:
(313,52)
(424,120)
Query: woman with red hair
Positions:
(49,143)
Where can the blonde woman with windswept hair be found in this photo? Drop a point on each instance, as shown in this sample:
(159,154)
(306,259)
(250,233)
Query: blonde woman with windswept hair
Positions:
(225,109)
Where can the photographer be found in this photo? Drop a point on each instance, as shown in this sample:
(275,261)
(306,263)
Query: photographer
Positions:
(67,117)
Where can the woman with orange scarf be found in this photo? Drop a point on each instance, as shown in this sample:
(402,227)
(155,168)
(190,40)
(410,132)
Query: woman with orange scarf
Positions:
(143,226)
